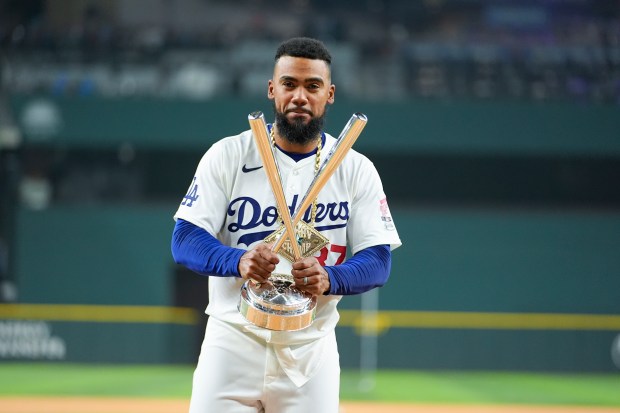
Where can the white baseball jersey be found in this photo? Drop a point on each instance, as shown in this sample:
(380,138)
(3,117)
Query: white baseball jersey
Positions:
(231,198)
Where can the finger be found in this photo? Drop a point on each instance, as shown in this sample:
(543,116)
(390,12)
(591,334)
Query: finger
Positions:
(269,256)
(304,280)
(259,278)
(258,273)
(263,268)
(265,252)
(256,268)
(302,270)
(303,264)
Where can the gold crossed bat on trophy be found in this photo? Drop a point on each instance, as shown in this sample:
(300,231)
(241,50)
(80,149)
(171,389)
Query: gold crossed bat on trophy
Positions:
(334,158)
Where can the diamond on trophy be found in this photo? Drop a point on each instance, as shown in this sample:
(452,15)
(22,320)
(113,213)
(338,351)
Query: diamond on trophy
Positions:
(310,240)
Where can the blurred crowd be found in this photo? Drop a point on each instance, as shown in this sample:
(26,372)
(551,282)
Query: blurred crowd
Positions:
(548,50)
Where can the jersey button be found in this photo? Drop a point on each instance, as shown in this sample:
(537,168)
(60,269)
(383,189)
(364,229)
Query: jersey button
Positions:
(295,172)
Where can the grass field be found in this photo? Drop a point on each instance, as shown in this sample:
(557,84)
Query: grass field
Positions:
(17,379)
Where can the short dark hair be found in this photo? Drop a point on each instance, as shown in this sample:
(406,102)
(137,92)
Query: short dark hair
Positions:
(305,47)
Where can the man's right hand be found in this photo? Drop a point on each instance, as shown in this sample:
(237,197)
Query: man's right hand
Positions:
(258,263)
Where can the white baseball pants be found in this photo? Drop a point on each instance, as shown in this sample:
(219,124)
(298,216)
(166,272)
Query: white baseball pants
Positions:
(239,373)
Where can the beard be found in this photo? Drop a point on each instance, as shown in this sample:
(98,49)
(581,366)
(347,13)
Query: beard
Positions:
(296,131)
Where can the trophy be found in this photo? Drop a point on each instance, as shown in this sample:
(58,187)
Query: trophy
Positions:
(277,304)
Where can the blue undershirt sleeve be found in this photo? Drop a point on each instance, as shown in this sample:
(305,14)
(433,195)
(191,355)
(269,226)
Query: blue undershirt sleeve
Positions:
(367,269)
(201,252)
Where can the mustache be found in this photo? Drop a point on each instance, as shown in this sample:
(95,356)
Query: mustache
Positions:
(298,110)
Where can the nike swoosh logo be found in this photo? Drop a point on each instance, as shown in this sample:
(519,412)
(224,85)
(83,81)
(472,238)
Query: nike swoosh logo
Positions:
(246,169)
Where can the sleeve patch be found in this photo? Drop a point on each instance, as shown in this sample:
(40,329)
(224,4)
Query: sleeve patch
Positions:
(386,217)
(192,194)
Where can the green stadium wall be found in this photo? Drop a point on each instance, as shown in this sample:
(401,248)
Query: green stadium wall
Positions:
(515,287)
(393,127)
(470,289)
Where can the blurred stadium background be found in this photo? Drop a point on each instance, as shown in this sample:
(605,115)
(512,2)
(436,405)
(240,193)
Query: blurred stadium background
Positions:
(495,126)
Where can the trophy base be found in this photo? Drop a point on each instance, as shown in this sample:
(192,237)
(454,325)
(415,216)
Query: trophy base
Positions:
(277,305)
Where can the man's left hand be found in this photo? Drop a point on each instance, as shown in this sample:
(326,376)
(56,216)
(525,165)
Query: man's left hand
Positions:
(310,276)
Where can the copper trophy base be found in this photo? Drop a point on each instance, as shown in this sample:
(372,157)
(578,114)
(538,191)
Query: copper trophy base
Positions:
(277,304)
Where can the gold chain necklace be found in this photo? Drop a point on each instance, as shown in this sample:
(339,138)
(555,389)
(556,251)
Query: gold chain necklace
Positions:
(317,165)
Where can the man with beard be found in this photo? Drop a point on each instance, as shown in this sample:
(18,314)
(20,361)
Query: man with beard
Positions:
(220,226)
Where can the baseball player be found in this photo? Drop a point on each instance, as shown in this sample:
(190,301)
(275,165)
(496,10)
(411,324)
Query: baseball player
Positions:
(230,208)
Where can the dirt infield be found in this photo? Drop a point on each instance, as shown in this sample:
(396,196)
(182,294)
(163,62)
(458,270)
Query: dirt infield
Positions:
(136,405)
